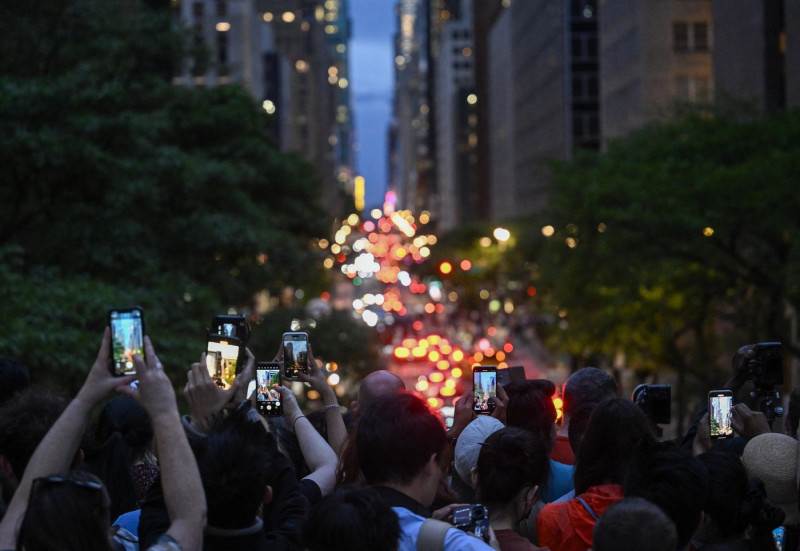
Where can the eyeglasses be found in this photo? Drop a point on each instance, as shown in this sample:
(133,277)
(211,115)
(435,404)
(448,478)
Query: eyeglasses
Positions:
(57,480)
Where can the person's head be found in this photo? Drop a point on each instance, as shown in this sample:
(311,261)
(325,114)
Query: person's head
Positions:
(13,377)
(235,466)
(735,501)
(353,519)
(672,479)
(67,511)
(373,388)
(398,440)
(615,428)
(513,466)
(122,436)
(530,407)
(24,421)
(587,385)
(577,425)
(633,524)
(469,444)
(772,458)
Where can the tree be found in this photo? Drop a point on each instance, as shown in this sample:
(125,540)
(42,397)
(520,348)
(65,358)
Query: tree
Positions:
(119,188)
(679,244)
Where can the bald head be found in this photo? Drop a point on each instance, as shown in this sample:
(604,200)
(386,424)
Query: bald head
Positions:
(375,386)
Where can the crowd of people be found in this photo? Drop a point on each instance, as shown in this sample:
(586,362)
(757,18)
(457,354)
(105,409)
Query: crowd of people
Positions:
(383,474)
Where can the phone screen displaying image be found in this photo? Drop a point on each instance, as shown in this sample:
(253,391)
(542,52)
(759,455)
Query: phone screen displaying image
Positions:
(222,355)
(485,383)
(127,339)
(295,353)
(719,414)
(267,398)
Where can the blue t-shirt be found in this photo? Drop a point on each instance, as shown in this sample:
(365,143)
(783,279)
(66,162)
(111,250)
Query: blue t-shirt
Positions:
(559,482)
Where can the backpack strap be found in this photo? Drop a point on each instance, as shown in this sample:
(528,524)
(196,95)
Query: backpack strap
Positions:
(431,535)
(586,505)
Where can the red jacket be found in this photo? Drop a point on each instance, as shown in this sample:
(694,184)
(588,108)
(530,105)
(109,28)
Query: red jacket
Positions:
(569,525)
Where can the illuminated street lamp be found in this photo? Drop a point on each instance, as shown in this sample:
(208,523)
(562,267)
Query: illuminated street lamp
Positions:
(501,234)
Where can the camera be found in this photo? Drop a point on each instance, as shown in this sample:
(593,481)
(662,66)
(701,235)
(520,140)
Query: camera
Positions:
(767,365)
(655,401)
(474,519)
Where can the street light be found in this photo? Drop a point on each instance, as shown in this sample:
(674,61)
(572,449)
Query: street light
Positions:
(501,234)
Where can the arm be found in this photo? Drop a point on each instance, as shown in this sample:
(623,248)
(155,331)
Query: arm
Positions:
(318,379)
(180,478)
(55,452)
(462,416)
(319,456)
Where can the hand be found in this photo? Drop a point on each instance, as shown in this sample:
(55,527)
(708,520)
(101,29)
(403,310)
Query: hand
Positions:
(243,379)
(154,391)
(748,423)
(205,398)
(741,368)
(291,409)
(463,414)
(100,380)
(446,513)
(702,439)
(500,404)
(317,377)
(493,543)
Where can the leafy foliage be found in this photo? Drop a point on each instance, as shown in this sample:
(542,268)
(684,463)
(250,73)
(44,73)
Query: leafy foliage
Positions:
(120,188)
(680,244)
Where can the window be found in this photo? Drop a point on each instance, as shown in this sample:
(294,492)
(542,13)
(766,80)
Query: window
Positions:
(693,89)
(690,37)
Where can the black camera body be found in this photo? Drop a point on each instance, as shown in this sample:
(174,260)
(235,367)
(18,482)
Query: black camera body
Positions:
(474,519)
(655,401)
(767,365)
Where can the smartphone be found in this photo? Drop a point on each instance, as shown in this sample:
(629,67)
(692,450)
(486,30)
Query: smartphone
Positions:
(484,378)
(231,326)
(510,374)
(720,403)
(127,339)
(295,353)
(222,358)
(268,400)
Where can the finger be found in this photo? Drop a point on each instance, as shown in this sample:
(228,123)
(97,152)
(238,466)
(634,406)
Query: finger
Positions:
(193,375)
(150,355)
(279,355)
(105,347)
(501,393)
(202,374)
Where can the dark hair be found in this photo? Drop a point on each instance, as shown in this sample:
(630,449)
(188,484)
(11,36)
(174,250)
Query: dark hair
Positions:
(615,428)
(736,501)
(530,407)
(634,523)
(13,377)
(586,385)
(396,438)
(67,512)
(235,463)
(577,425)
(288,444)
(510,460)
(122,435)
(24,421)
(353,519)
(672,479)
